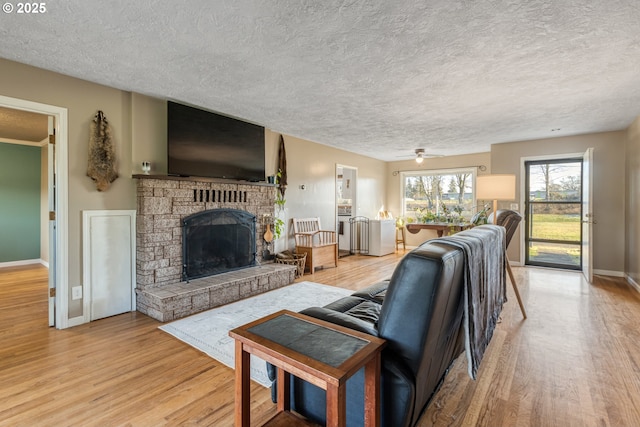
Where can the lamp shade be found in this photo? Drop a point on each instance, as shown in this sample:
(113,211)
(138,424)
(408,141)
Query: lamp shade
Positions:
(496,187)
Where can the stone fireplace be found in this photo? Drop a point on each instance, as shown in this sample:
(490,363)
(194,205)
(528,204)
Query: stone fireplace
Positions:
(221,214)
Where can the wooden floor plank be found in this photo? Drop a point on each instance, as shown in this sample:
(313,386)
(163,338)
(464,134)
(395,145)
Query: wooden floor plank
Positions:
(574,362)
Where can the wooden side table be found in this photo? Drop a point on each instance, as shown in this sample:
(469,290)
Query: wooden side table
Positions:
(297,344)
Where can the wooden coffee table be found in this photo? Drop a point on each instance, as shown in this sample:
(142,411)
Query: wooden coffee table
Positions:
(297,344)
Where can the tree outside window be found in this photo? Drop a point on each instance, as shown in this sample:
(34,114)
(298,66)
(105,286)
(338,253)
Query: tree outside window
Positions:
(433,195)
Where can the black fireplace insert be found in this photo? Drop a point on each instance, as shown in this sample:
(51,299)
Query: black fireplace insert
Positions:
(216,241)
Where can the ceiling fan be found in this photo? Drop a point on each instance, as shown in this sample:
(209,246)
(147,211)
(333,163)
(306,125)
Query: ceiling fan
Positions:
(420,155)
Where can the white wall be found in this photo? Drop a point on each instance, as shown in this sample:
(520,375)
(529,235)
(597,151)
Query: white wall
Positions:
(314,166)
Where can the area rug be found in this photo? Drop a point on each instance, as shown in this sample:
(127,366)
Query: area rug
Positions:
(209,331)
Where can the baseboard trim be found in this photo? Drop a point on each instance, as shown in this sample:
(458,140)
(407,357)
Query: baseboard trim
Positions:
(632,283)
(76,321)
(19,263)
(609,273)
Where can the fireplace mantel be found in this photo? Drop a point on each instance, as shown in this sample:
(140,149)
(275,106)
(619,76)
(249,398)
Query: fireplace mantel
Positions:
(200,179)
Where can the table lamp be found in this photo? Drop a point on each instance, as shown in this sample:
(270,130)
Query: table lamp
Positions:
(496,187)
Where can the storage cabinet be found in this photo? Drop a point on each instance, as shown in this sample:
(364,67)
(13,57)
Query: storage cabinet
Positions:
(382,237)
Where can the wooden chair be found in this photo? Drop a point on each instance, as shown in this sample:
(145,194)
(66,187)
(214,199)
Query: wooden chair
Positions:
(509,220)
(321,246)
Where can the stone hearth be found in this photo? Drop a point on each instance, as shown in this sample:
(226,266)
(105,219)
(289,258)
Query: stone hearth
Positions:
(170,302)
(163,202)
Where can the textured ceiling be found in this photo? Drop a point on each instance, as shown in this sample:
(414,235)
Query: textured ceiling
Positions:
(380,78)
(23,126)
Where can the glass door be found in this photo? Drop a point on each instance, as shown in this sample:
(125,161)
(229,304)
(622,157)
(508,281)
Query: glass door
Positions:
(553,210)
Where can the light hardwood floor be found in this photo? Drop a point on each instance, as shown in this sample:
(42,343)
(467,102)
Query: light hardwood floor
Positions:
(574,362)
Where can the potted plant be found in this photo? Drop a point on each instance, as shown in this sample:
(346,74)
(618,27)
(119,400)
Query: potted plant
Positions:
(458,210)
(274,228)
(278,227)
(481,217)
(280,200)
(424,215)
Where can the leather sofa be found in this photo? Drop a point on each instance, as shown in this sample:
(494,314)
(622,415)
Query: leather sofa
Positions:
(419,311)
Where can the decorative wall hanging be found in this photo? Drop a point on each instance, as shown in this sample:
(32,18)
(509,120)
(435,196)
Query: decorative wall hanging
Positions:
(282,168)
(102,155)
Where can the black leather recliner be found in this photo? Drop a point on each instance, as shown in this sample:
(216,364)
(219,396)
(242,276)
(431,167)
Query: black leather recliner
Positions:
(419,311)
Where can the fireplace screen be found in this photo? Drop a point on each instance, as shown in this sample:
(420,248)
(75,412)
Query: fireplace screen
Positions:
(216,241)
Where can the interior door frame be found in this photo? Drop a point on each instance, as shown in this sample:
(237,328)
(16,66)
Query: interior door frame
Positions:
(354,202)
(61,255)
(51,222)
(523,189)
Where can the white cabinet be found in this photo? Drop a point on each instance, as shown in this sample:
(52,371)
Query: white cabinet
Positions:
(382,237)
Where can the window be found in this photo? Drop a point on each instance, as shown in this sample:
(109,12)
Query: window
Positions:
(438,195)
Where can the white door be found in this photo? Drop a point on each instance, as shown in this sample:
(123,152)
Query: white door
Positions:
(587,215)
(52,221)
(109,262)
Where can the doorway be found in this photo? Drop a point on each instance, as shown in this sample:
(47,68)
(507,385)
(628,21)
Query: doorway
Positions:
(57,198)
(553,213)
(346,193)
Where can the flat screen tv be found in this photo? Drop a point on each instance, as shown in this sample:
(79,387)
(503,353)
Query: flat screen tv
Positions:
(205,144)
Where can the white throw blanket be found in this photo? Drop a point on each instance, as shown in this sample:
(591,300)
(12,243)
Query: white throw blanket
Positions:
(484,286)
